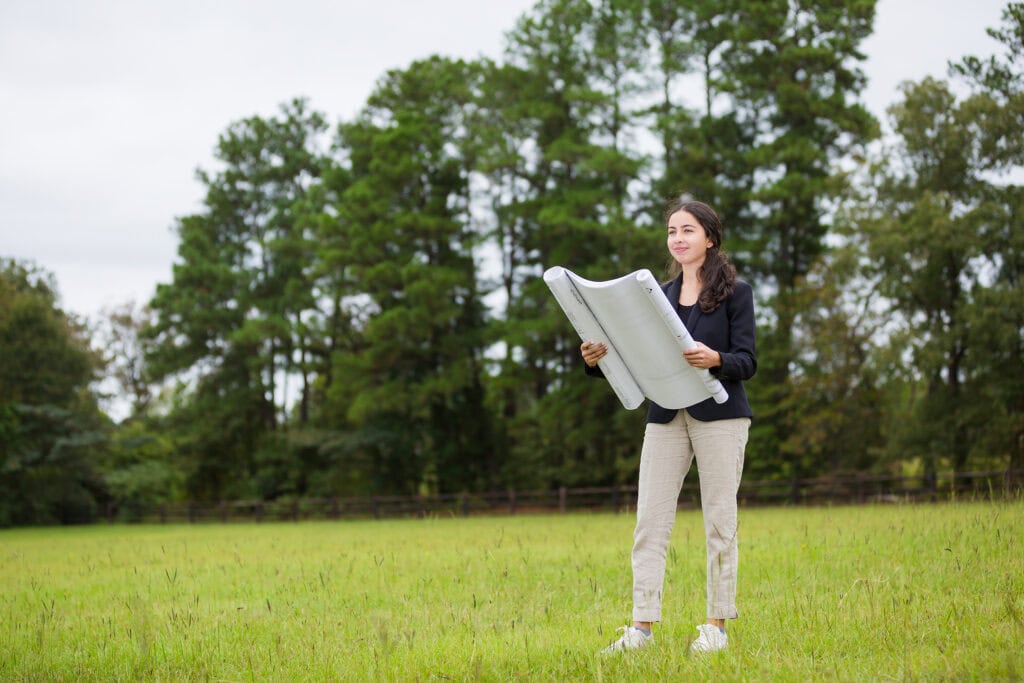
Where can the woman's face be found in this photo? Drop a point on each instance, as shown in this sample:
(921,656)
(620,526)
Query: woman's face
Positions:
(687,241)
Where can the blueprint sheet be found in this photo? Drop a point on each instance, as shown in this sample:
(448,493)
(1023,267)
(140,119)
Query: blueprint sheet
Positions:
(644,335)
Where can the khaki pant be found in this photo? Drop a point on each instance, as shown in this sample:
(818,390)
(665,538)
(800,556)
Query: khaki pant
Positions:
(667,452)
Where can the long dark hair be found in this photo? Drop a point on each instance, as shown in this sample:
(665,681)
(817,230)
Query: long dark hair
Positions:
(717,275)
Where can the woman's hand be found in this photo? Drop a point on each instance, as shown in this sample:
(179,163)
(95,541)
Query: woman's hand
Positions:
(701,356)
(593,352)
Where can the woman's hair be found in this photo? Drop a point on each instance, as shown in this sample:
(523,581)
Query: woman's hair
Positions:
(717,275)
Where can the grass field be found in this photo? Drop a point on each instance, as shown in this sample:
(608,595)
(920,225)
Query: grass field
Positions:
(902,592)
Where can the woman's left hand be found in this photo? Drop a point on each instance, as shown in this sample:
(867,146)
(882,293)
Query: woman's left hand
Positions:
(701,356)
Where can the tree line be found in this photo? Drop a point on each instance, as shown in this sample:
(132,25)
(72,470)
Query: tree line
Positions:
(357,308)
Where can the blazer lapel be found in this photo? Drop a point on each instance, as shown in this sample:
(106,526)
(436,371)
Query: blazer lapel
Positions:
(671,290)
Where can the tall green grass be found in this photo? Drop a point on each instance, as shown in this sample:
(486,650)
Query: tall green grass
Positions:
(927,592)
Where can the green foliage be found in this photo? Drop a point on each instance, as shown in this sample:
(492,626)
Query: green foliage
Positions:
(945,245)
(235,317)
(413,382)
(791,69)
(942,239)
(50,428)
(995,321)
(121,335)
(141,467)
(47,360)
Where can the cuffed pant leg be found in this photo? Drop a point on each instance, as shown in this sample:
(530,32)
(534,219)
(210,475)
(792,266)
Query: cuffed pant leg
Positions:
(719,446)
(664,459)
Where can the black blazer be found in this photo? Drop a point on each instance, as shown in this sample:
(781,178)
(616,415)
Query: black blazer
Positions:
(729,329)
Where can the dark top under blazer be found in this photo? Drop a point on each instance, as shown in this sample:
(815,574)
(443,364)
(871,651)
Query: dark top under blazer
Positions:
(729,329)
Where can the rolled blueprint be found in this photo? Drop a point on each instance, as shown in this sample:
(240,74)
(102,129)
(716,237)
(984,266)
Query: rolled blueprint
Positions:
(644,336)
(560,282)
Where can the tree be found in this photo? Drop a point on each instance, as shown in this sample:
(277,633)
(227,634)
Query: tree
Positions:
(944,240)
(234,320)
(140,467)
(834,398)
(927,244)
(410,390)
(50,428)
(121,334)
(927,256)
(995,112)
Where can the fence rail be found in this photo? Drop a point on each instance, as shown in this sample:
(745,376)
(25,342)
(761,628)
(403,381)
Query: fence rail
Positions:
(842,490)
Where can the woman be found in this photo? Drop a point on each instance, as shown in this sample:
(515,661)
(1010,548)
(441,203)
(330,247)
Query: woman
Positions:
(718,310)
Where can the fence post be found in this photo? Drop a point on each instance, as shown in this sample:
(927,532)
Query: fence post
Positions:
(335,513)
(511,501)
(615,499)
(376,508)
(223,512)
(795,492)
(163,513)
(295,510)
(563,496)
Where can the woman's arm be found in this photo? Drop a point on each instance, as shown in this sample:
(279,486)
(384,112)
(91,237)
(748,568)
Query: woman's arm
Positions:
(739,362)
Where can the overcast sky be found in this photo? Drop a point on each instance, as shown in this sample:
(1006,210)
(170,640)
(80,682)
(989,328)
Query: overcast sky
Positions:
(107,107)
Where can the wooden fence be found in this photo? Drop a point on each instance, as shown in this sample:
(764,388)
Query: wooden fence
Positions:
(825,490)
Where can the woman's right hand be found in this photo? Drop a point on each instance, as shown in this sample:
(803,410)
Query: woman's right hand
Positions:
(593,352)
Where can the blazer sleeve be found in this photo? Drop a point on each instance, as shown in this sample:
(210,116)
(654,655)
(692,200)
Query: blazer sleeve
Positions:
(739,362)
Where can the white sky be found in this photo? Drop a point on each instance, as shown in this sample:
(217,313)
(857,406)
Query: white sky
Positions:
(107,107)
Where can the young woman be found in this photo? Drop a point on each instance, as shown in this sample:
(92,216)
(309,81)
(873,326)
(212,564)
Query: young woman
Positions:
(718,310)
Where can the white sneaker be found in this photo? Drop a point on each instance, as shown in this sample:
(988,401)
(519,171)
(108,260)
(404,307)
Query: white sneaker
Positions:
(632,639)
(711,639)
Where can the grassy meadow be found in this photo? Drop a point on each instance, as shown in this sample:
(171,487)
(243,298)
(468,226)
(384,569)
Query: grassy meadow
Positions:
(898,592)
